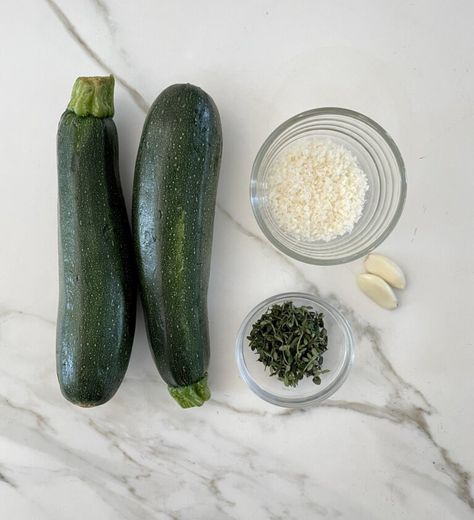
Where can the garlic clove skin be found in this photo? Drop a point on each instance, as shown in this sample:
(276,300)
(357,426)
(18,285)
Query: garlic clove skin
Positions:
(386,269)
(377,290)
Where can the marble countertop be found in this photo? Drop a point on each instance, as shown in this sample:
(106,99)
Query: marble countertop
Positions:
(395,442)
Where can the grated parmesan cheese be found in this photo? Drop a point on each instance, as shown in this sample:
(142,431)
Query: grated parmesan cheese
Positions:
(316,190)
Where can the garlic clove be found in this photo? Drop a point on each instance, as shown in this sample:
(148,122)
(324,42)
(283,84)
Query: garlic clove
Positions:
(387,269)
(377,290)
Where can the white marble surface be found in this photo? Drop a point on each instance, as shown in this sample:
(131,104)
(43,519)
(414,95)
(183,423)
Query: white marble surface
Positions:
(396,441)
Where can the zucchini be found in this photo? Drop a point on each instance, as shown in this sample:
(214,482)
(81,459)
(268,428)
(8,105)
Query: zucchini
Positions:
(174,198)
(97,278)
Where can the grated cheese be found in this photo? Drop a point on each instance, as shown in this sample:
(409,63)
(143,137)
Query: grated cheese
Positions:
(316,190)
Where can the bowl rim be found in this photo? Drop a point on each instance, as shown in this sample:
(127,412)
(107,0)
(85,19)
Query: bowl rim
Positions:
(328,111)
(318,396)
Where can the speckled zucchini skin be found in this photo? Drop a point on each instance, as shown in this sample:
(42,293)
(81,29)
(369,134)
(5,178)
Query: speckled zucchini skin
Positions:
(97,297)
(174,200)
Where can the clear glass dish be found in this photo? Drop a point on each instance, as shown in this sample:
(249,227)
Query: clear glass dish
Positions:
(378,156)
(338,358)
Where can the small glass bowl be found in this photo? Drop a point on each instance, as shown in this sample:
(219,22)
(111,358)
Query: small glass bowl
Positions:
(338,358)
(378,157)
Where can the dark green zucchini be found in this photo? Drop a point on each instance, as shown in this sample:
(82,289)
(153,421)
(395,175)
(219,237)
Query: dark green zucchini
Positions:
(174,198)
(97,296)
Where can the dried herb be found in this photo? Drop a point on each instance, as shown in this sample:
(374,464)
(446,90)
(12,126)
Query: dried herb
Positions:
(290,341)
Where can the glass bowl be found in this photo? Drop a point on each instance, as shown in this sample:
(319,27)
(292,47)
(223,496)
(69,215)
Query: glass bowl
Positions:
(338,358)
(379,158)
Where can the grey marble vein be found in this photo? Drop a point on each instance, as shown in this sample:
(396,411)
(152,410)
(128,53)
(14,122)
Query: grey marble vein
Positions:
(103,10)
(41,422)
(114,442)
(136,96)
(247,411)
(213,486)
(462,478)
(78,466)
(5,314)
(144,470)
(266,245)
(45,438)
(363,329)
(415,417)
(7,481)
(210,483)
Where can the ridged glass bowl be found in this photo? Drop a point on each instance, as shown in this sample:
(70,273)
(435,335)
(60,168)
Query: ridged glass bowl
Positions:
(379,158)
(338,358)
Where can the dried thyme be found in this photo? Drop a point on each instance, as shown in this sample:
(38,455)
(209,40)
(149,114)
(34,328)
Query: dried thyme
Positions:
(290,341)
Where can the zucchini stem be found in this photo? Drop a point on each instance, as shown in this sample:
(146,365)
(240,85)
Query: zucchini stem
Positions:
(191,395)
(93,96)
